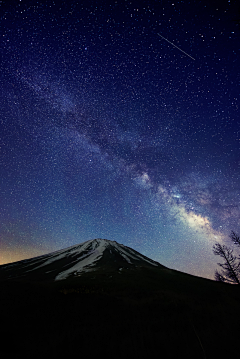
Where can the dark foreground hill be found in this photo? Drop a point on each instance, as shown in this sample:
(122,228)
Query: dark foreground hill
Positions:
(139,309)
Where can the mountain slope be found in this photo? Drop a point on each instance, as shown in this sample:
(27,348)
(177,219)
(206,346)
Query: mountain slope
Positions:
(103,293)
(92,255)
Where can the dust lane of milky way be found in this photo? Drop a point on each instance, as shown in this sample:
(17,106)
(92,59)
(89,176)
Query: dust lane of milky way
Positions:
(107,132)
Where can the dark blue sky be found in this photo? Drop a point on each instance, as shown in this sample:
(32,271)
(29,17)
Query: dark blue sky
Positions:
(108,130)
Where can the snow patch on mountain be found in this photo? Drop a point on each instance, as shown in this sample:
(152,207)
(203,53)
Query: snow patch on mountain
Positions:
(85,262)
(127,252)
(75,260)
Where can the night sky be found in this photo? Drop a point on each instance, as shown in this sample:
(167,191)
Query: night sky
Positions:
(120,120)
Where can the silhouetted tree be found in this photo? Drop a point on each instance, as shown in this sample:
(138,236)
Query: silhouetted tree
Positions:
(235,238)
(230,272)
(219,277)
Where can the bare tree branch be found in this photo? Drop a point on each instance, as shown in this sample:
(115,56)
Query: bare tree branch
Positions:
(230,268)
(235,238)
(218,277)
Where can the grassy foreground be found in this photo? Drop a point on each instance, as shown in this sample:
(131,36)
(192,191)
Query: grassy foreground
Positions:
(139,314)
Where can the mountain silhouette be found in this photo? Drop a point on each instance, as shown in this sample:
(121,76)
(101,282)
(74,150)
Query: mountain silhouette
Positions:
(72,262)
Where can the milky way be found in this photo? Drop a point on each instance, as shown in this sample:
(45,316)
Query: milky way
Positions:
(107,131)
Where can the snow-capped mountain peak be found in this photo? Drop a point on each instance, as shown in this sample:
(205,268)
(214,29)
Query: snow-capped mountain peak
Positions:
(76,260)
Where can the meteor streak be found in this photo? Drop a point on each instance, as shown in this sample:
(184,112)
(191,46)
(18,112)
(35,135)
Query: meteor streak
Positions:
(176,46)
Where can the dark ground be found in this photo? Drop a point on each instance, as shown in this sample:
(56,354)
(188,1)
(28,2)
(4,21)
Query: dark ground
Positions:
(185,317)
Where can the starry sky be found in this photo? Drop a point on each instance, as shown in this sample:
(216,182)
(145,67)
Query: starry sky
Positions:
(120,120)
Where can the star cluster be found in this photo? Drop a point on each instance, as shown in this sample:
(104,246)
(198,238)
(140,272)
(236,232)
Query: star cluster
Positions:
(109,131)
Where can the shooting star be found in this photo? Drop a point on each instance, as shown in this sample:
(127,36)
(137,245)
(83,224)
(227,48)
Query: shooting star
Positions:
(176,46)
